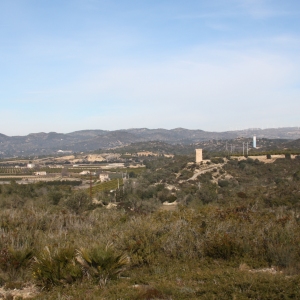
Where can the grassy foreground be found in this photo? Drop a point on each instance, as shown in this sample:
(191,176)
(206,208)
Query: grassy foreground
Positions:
(235,240)
(187,254)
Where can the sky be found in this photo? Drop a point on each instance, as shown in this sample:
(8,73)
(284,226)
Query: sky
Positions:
(215,65)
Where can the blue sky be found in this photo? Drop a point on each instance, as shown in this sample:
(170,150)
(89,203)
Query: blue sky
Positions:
(90,64)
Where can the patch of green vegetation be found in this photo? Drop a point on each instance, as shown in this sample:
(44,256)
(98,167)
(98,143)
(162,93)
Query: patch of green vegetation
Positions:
(107,186)
(137,171)
(230,237)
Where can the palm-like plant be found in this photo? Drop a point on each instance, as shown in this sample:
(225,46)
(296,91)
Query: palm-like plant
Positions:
(102,263)
(55,267)
(14,261)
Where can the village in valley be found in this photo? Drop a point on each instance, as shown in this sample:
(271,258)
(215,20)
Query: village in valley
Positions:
(107,171)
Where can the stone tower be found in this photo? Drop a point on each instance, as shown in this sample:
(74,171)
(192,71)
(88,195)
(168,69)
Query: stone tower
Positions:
(198,156)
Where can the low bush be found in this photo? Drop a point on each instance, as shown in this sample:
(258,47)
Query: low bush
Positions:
(102,263)
(217,160)
(223,183)
(222,246)
(78,202)
(189,251)
(55,267)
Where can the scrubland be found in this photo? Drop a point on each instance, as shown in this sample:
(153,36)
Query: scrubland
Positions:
(230,237)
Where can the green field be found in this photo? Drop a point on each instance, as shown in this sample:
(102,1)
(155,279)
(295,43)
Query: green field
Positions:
(16,171)
(128,170)
(107,186)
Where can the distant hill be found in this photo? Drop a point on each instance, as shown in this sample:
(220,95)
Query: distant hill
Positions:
(88,140)
(293,144)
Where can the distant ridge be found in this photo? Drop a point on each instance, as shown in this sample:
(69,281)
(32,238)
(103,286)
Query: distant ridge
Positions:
(86,140)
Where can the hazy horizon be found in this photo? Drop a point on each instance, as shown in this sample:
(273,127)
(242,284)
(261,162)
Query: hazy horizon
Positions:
(120,129)
(209,65)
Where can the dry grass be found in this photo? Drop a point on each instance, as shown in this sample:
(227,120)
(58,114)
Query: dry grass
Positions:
(213,251)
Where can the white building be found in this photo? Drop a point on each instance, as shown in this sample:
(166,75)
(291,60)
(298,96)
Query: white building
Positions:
(41,173)
(85,173)
(104,177)
(30,166)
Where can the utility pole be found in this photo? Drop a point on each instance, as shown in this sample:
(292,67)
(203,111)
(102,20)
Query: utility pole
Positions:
(247,148)
(243,148)
(91,186)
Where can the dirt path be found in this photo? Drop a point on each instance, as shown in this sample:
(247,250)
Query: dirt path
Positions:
(205,169)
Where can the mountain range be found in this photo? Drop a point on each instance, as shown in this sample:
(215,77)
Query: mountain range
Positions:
(88,140)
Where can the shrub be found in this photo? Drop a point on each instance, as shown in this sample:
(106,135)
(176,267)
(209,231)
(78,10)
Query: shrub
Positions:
(208,193)
(79,202)
(185,174)
(241,195)
(54,197)
(296,176)
(12,261)
(222,246)
(132,174)
(223,183)
(217,160)
(141,239)
(55,267)
(137,205)
(102,263)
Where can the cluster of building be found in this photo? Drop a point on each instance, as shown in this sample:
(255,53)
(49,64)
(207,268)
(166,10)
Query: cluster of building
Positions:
(103,176)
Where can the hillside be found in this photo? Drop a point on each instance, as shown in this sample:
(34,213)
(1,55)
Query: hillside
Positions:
(88,140)
(293,144)
(223,229)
